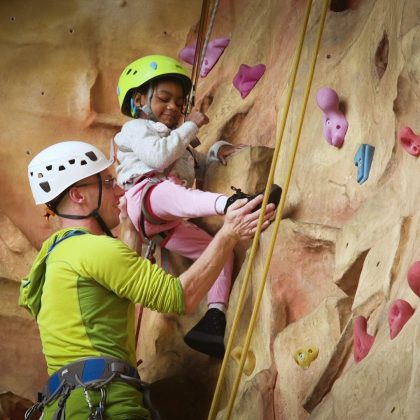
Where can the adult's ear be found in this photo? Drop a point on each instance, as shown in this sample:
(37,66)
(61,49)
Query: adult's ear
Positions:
(76,195)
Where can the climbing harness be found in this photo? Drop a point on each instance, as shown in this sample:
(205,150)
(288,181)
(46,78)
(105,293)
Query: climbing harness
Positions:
(158,239)
(245,347)
(91,374)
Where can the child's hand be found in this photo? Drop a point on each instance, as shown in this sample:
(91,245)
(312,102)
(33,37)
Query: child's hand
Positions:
(198,118)
(228,150)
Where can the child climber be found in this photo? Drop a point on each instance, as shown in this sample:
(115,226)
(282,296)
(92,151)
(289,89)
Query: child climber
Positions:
(157,166)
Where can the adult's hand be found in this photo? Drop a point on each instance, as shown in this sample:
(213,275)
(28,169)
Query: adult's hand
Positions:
(240,220)
(240,223)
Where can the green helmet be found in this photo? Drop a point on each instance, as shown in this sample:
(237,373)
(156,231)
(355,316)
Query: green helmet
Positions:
(144,70)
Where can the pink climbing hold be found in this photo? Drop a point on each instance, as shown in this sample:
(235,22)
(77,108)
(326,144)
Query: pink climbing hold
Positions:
(247,77)
(410,141)
(399,313)
(334,121)
(214,50)
(413,277)
(362,340)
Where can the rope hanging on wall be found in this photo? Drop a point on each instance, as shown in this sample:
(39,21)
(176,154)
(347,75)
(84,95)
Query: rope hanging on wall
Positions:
(245,347)
(200,51)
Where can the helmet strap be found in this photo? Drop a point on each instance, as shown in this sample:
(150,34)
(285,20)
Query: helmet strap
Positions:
(102,224)
(147,108)
(134,109)
(94,213)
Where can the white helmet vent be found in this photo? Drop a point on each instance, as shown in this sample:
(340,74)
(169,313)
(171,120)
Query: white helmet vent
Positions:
(45,186)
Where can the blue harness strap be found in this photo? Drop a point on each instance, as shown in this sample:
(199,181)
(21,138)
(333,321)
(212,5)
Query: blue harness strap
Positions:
(67,235)
(89,372)
(93,369)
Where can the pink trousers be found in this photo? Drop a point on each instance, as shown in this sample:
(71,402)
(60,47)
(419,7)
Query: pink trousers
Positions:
(173,203)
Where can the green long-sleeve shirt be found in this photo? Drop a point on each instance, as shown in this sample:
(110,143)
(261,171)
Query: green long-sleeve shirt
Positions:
(83,296)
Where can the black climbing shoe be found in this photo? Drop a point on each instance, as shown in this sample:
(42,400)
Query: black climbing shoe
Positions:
(207,336)
(274,197)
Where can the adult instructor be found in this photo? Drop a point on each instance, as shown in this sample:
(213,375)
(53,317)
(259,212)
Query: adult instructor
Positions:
(84,283)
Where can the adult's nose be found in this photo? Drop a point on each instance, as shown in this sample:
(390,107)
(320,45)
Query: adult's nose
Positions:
(118,191)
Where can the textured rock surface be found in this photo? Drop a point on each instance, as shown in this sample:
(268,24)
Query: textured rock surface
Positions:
(343,249)
(20,346)
(13,407)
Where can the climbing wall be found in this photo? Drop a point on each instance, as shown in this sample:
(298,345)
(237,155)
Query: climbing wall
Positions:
(349,234)
(346,247)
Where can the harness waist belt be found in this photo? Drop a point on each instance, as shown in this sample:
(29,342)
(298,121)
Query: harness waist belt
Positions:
(89,371)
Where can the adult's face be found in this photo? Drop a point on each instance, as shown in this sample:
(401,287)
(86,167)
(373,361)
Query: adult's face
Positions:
(111,194)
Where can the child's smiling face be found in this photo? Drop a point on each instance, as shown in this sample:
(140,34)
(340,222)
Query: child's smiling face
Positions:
(167,102)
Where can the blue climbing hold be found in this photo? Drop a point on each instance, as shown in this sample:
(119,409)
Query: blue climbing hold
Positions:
(363,160)
(153,65)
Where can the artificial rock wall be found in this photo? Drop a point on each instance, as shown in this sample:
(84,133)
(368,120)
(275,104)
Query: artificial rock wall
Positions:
(343,249)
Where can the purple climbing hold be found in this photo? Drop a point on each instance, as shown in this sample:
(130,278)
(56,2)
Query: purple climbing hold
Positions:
(247,77)
(187,54)
(214,50)
(334,122)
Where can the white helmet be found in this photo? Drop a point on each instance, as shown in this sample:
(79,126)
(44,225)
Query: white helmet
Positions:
(59,166)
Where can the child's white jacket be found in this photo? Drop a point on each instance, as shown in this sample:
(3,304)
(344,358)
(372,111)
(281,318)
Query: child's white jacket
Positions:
(145,146)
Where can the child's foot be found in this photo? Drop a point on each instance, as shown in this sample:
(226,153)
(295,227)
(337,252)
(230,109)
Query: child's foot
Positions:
(274,197)
(207,336)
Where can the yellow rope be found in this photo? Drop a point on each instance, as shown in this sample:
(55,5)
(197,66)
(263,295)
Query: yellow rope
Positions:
(241,299)
(278,216)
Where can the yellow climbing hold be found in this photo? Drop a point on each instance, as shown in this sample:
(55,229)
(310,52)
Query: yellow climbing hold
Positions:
(250,361)
(305,356)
